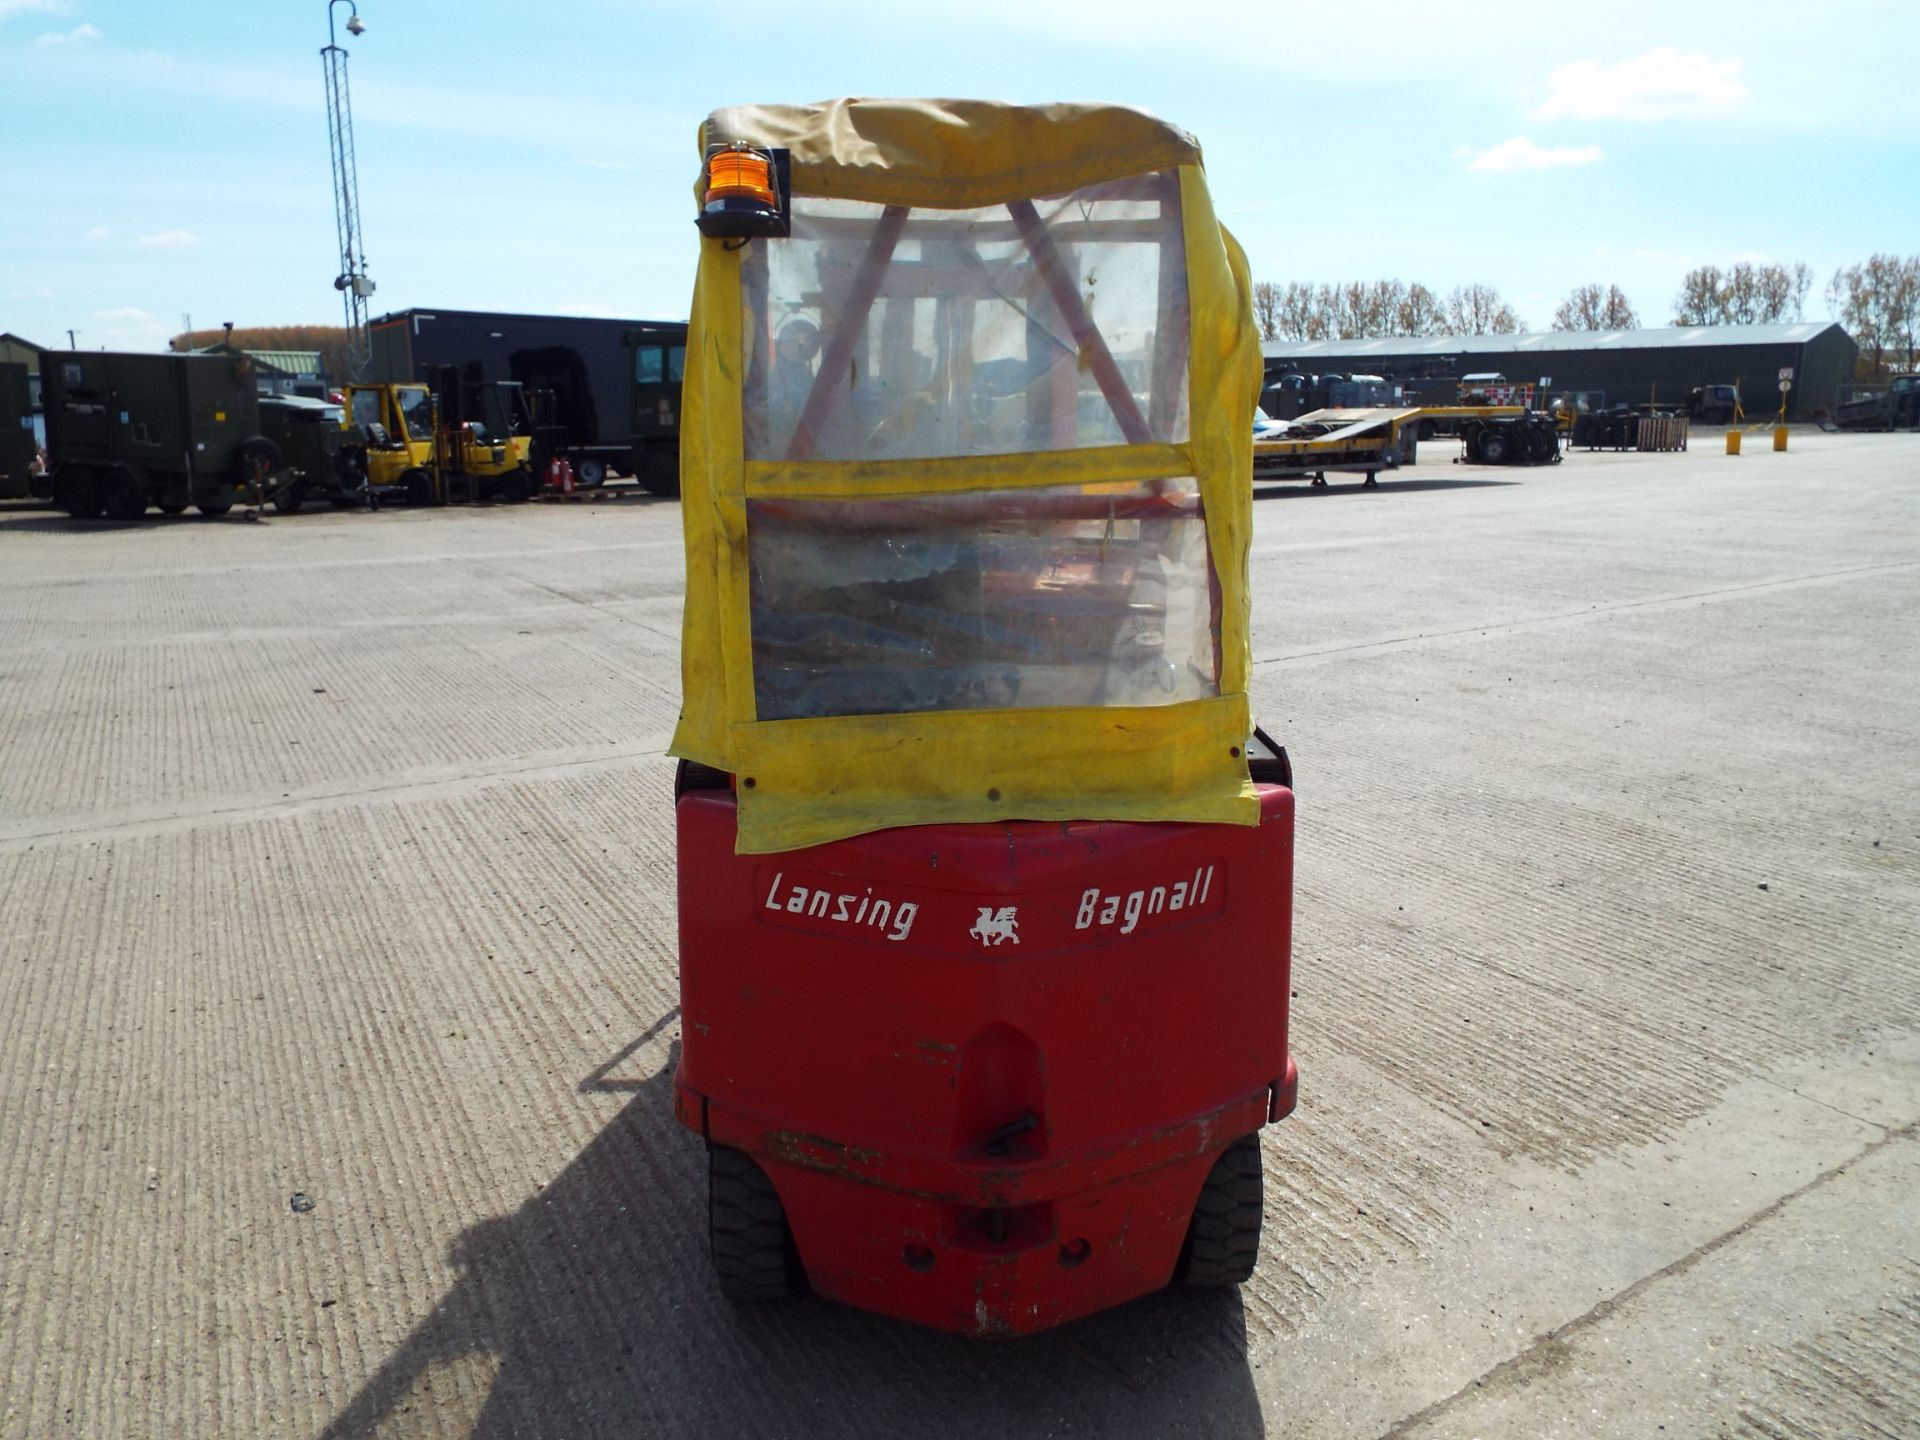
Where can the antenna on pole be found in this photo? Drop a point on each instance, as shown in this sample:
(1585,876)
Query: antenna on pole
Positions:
(352,282)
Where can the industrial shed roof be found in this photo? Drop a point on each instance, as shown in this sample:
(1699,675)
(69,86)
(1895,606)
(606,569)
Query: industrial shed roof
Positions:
(1667,337)
(288,362)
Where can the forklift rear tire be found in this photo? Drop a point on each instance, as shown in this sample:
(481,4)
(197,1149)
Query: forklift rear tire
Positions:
(515,487)
(121,496)
(417,487)
(746,1228)
(1223,1237)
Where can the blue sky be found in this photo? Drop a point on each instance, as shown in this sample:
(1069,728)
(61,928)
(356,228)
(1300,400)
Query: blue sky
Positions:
(167,159)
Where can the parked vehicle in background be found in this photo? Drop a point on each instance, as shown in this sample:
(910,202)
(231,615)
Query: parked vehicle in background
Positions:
(17,444)
(1896,406)
(321,458)
(585,363)
(1714,404)
(659,362)
(428,444)
(1291,394)
(127,431)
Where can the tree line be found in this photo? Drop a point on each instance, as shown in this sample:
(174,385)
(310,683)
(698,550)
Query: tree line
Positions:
(1877,301)
(1372,309)
(329,340)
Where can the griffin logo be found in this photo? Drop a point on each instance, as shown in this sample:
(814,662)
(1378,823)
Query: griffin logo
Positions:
(994,926)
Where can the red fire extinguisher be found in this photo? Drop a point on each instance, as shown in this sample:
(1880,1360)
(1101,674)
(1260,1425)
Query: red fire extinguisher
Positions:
(560,475)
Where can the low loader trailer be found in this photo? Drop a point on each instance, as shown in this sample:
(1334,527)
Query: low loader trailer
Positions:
(1366,442)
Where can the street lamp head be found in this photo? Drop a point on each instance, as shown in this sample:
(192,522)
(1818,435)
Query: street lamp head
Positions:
(356,26)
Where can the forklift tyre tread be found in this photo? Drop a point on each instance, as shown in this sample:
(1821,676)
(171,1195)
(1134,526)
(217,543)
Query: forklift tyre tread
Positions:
(515,487)
(746,1228)
(417,487)
(1223,1237)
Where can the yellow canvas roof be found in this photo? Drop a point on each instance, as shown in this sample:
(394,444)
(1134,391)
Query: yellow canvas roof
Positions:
(953,153)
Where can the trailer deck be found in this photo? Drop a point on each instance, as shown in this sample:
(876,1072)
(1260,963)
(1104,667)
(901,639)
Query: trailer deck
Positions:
(1357,441)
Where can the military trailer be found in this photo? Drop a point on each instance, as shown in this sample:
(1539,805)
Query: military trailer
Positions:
(17,445)
(126,431)
(320,459)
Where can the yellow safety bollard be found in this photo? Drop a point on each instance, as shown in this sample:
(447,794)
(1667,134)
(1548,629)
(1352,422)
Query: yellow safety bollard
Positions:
(1779,437)
(1733,442)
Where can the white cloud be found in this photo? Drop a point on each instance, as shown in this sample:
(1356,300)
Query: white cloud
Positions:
(126,328)
(169,239)
(1520,153)
(96,232)
(78,33)
(11,8)
(1658,85)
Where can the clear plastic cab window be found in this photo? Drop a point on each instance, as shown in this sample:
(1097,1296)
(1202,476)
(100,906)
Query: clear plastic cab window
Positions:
(883,332)
(887,333)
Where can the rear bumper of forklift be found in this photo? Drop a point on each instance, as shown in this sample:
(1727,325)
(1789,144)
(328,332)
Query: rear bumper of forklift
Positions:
(992,1250)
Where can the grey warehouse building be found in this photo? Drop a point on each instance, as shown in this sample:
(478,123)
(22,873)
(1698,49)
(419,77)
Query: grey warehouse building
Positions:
(1623,366)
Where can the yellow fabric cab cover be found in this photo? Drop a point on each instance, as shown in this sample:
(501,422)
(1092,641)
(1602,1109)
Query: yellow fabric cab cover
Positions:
(965,472)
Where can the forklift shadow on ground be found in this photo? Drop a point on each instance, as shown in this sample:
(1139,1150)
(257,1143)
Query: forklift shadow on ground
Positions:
(599,1316)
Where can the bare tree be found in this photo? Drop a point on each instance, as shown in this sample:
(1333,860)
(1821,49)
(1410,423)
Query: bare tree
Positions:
(1591,308)
(1420,312)
(1479,310)
(1878,301)
(1743,294)
(1298,315)
(1266,309)
(1801,283)
(1702,297)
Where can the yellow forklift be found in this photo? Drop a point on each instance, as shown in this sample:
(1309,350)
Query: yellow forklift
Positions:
(467,442)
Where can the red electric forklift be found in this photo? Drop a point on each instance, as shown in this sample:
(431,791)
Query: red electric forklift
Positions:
(985,876)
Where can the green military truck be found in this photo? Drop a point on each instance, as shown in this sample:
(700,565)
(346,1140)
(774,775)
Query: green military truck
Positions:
(320,460)
(17,446)
(126,431)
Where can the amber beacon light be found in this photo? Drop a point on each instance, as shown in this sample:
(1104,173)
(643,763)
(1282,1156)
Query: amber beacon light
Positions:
(747,193)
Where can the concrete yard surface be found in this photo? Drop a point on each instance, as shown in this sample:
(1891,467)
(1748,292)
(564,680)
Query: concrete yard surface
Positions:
(337,983)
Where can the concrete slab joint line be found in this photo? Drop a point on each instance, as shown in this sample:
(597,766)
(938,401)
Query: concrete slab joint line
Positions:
(236,810)
(1566,617)
(1526,1363)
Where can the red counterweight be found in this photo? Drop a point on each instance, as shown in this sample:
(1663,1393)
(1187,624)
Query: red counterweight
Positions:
(981,1076)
